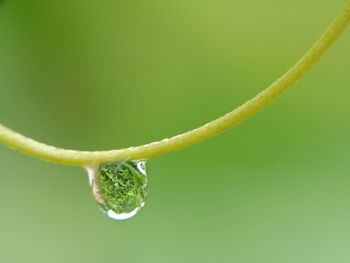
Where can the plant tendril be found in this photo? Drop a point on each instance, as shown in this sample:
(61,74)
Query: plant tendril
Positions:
(146,151)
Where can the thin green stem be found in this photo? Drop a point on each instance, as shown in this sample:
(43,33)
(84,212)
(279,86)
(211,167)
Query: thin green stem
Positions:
(146,151)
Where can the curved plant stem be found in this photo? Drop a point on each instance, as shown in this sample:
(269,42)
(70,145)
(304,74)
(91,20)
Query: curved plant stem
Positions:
(146,151)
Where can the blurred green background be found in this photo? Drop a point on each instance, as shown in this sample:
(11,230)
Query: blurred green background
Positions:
(108,74)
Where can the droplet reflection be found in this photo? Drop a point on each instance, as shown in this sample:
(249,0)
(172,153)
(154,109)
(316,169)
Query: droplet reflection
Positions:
(120,188)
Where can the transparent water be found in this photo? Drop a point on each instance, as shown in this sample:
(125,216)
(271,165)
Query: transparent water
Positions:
(120,188)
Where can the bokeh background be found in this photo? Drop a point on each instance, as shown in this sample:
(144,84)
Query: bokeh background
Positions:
(107,74)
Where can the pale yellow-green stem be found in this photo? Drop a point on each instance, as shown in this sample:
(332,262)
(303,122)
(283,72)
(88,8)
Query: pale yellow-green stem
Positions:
(146,151)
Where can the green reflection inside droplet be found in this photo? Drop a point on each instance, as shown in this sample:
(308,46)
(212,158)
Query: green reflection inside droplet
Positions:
(120,187)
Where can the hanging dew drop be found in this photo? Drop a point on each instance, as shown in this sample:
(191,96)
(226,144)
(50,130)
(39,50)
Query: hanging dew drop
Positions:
(120,188)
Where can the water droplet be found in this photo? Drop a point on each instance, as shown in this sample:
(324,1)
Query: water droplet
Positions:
(120,188)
